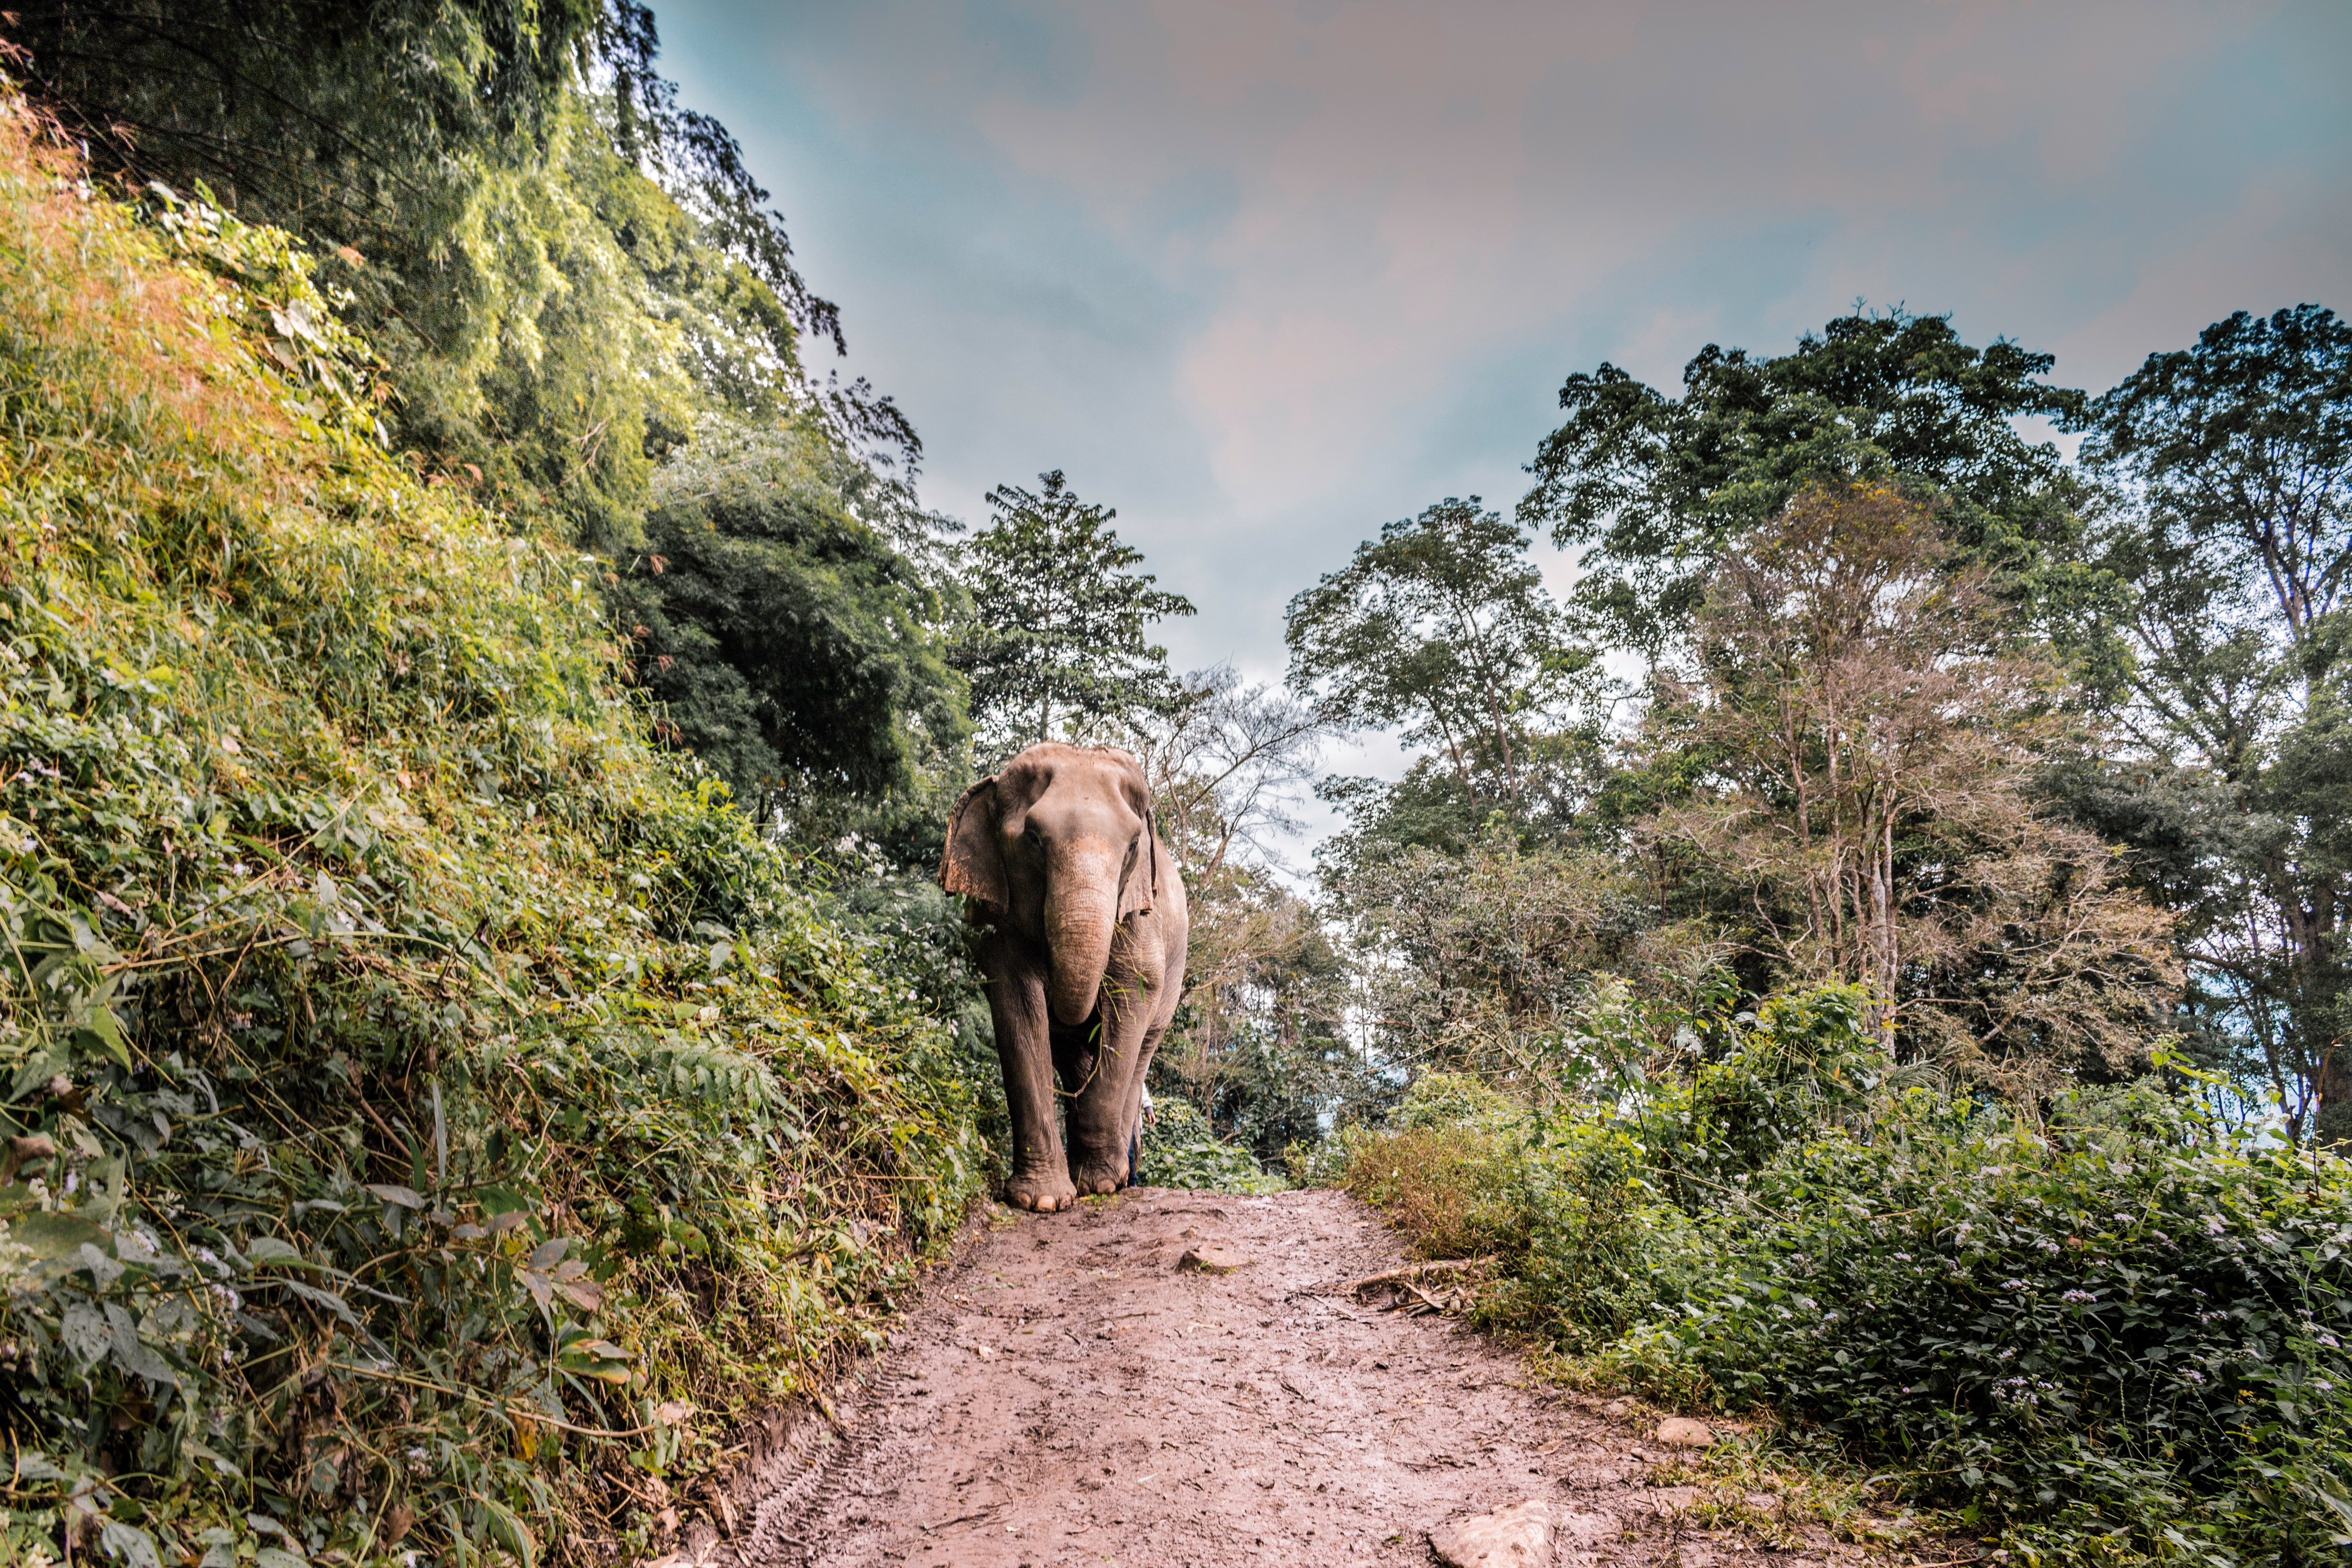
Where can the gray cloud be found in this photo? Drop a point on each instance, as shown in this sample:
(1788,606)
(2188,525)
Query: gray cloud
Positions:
(1264,275)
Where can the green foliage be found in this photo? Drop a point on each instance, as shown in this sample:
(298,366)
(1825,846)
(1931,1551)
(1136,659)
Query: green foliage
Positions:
(560,267)
(429,1105)
(1180,1151)
(2117,1337)
(1453,1100)
(1653,488)
(1056,649)
(792,644)
(2117,1326)
(2233,534)
(1256,1046)
(575,286)
(1442,629)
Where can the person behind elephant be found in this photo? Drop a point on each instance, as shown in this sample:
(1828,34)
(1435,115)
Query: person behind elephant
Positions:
(1078,920)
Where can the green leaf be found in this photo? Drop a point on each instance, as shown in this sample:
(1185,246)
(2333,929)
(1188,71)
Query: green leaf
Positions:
(512,1533)
(270,1251)
(54,1237)
(129,1543)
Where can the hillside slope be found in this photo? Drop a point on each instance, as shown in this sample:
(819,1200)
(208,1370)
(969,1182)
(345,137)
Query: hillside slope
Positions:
(434,1118)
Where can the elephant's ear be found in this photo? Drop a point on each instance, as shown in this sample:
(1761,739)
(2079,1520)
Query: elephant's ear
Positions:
(1142,883)
(973,865)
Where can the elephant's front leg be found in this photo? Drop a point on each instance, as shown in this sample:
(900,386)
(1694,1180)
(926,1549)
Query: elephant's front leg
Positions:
(1102,1113)
(1016,1002)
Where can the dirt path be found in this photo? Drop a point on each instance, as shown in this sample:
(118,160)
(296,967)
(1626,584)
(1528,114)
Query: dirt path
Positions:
(1066,1395)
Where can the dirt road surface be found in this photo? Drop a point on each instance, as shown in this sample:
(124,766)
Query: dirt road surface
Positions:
(1066,1394)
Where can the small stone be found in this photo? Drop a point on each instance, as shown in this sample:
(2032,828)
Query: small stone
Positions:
(1685,1433)
(1211,1261)
(1519,1536)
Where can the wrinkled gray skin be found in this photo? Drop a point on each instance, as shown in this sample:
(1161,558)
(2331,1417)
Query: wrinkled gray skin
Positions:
(1078,920)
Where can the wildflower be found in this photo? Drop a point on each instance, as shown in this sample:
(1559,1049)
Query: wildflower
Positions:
(1902,1257)
(2078,1296)
(2012,1284)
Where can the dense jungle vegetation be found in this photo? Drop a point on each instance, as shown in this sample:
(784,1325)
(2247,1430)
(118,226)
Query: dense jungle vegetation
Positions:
(477,704)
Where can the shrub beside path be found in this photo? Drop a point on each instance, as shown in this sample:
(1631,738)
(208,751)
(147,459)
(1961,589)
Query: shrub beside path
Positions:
(1069,1392)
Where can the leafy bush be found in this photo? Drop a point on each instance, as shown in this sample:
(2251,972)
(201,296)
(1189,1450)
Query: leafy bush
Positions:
(1450,1189)
(2116,1336)
(1453,1100)
(2122,1324)
(1180,1151)
(432,1120)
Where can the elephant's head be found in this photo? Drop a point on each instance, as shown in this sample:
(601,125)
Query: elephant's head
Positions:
(1059,847)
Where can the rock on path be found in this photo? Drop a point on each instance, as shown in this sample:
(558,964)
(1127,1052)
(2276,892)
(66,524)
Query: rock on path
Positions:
(1066,1394)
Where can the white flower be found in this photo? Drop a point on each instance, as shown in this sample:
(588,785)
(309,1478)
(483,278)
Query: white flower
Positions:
(2078,1296)
(2012,1284)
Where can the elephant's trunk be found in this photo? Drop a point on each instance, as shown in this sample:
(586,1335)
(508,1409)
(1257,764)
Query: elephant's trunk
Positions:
(1081,918)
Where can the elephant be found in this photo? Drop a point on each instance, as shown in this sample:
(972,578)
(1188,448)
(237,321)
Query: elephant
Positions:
(1077,917)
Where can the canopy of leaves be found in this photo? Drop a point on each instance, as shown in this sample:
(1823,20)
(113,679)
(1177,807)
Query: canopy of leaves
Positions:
(1442,629)
(1652,488)
(1859,752)
(560,266)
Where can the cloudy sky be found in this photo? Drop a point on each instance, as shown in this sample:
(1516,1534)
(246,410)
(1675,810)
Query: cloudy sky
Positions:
(1265,274)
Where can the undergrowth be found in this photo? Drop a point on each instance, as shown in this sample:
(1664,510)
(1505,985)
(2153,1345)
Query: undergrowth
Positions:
(433,1119)
(2110,1334)
(1181,1149)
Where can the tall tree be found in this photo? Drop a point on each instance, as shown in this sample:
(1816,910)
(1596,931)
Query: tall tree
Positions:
(1442,629)
(1651,488)
(1859,748)
(2234,535)
(1056,648)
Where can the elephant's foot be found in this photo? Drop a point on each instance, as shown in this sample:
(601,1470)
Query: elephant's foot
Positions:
(1045,1195)
(1102,1177)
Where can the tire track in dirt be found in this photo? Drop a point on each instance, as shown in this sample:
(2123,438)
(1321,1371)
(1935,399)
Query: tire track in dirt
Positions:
(1066,1396)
